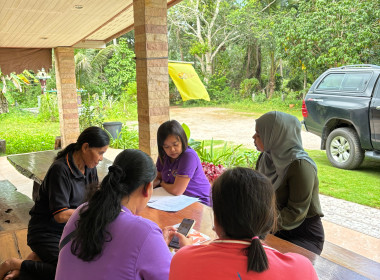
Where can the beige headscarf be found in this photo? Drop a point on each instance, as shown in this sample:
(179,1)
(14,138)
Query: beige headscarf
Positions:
(281,136)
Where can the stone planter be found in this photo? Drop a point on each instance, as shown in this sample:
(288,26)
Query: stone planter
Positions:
(113,128)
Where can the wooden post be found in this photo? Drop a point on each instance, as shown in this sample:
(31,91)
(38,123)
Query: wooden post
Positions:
(67,94)
(151,49)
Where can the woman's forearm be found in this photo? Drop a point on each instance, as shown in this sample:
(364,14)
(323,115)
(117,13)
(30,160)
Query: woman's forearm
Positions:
(178,187)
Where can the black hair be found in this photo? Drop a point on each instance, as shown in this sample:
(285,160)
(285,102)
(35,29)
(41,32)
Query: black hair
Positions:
(130,170)
(93,135)
(244,206)
(172,127)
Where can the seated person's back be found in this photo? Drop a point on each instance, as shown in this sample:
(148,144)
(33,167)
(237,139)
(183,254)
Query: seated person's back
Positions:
(110,241)
(244,209)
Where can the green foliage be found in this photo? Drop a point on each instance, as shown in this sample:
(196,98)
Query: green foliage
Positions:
(89,65)
(259,97)
(295,84)
(48,110)
(249,86)
(186,129)
(92,113)
(322,34)
(127,139)
(120,70)
(121,112)
(191,142)
(228,156)
(198,48)
(218,89)
(278,82)
(29,98)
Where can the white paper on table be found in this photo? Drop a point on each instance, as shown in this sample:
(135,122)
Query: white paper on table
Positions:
(159,193)
(172,203)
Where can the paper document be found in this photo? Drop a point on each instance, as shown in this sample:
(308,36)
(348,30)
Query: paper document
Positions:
(159,193)
(172,203)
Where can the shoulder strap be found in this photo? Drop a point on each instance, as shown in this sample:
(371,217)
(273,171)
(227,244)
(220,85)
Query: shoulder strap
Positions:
(66,240)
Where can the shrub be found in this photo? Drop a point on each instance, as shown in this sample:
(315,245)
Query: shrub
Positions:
(278,82)
(92,113)
(48,110)
(248,86)
(295,84)
(127,139)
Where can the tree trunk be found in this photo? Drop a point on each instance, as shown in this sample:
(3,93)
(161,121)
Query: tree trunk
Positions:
(3,104)
(258,62)
(272,76)
(253,61)
(179,43)
(208,64)
(248,72)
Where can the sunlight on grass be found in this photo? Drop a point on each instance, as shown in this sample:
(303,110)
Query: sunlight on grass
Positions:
(360,186)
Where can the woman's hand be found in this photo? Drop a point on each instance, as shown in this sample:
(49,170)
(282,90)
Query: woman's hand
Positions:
(168,233)
(183,240)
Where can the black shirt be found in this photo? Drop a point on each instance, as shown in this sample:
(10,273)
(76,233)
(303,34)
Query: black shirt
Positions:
(63,188)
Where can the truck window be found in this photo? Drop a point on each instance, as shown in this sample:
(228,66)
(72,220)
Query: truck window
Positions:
(356,82)
(331,82)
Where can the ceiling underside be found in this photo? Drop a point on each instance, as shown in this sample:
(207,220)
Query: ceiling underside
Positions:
(75,23)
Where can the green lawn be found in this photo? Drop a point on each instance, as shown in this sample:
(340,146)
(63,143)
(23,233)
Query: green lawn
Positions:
(259,109)
(361,186)
(24,133)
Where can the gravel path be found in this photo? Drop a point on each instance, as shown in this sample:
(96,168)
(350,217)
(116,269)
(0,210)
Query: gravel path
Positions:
(225,124)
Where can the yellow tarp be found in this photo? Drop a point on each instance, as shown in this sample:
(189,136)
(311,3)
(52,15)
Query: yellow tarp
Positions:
(187,81)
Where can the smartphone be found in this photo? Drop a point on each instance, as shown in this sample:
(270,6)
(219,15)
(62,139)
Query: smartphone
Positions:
(184,228)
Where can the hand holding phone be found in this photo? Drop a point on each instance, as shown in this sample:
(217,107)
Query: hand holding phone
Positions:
(184,228)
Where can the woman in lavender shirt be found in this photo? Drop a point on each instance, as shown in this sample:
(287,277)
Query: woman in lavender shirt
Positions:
(110,241)
(179,167)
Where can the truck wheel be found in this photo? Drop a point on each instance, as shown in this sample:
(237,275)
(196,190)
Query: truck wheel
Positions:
(343,148)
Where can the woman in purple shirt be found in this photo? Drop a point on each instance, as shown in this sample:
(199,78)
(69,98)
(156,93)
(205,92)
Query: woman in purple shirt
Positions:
(109,240)
(179,167)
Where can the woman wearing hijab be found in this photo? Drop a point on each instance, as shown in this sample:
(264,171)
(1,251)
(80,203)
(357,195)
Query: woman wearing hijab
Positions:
(294,177)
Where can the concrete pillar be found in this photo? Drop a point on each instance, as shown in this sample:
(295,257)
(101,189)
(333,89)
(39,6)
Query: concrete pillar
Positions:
(151,49)
(67,94)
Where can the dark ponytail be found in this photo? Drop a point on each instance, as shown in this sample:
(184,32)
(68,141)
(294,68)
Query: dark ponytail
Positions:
(131,169)
(257,258)
(94,136)
(244,206)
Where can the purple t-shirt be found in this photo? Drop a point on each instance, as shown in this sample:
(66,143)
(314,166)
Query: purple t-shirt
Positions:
(187,164)
(137,251)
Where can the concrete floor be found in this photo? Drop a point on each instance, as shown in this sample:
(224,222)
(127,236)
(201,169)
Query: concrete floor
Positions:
(338,232)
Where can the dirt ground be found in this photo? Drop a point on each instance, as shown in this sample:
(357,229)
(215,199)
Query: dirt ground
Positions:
(206,123)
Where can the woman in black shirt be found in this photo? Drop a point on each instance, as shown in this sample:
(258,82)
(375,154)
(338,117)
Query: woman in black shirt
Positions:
(61,192)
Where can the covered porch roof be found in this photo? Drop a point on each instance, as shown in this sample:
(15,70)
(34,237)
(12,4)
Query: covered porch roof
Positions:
(63,25)
(68,23)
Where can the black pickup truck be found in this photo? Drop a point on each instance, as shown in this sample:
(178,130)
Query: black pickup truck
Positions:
(343,108)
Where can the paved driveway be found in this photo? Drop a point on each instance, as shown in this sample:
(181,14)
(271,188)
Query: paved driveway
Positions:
(225,124)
